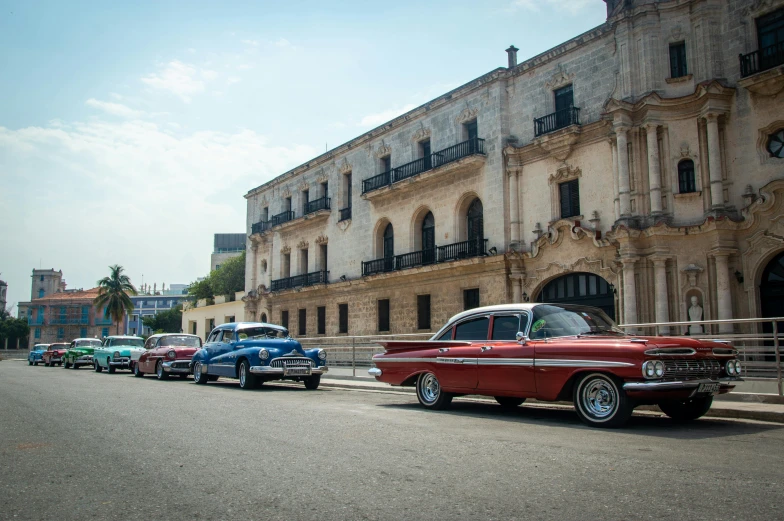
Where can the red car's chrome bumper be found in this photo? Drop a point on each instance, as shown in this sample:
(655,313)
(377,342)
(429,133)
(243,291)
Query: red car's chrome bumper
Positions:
(726,385)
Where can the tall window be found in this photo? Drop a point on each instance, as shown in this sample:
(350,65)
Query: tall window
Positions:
(424,153)
(470,298)
(83,332)
(42,278)
(60,333)
(347,181)
(321,315)
(37,332)
(342,318)
(383,315)
(770,32)
(386,164)
(287,204)
(686,180)
(570,198)
(323,260)
(389,247)
(303,261)
(41,293)
(286,268)
(284,318)
(305,201)
(471,133)
(325,189)
(423,311)
(104,332)
(428,239)
(678,60)
(564,101)
(265,214)
(475,228)
(303,320)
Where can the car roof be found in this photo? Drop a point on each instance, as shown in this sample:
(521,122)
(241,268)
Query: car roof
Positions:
(244,325)
(159,335)
(86,338)
(494,309)
(124,336)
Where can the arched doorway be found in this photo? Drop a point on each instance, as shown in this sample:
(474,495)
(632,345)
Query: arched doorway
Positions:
(264,317)
(772,295)
(475,226)
(389,248)
(428,239)
(580,288)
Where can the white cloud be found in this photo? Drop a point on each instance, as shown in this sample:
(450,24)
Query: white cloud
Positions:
(233,79)
(571,7)
(252,43)
(281,42)
(373,120)
(244,66)
(181,79)
(115,109)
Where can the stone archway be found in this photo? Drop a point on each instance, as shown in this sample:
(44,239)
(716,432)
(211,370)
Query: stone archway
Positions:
(580,287)
(771,292)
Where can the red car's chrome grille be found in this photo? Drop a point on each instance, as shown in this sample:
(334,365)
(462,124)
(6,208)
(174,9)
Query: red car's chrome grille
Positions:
(691,369)
(291,362)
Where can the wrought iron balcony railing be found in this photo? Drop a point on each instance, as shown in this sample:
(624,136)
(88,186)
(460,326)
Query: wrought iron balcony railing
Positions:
(100,321)
(306,279)
(64,321)
(423,164)
(260,227)
(556,121)
(322,203)
(345,214)
(281,218)
(761,60)
(450,252)
(35,321)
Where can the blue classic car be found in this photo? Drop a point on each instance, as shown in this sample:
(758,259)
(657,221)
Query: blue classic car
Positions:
(37,354)
(256,353)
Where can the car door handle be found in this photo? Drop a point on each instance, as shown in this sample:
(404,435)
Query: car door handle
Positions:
(443,350)
(486,348)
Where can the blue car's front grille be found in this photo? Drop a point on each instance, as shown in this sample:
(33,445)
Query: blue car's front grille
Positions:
(291,362)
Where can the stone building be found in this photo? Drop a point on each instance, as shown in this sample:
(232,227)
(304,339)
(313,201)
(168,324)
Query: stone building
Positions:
(637,167)
(65,315)
(225,247)
(43,283)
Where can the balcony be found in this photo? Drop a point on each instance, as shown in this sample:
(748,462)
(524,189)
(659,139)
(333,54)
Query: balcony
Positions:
(322,203)
(99,321)
(345,214)
(260,227)
(450,252)
(556,121)
(424,164)
(35,321)
(761,60)
(281,218)
(307,279)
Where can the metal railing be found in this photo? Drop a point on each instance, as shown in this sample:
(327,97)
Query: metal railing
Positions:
(758,348)
(761,60)
(260,227)
(450,252)
(306,279)
(378,266)
(423,164)
(462,250)
(103,321)
(37,321)
(63,321)
(281,218)
(556,121)
(322,203)
(345,214)
(415,258)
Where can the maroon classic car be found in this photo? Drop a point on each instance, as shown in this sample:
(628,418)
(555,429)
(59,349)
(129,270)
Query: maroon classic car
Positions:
(54,354)
(167,353)
(560,352)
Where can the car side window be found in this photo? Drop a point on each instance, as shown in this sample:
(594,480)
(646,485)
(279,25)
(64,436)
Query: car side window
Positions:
(505,327)
(228,335)
(475,329)
(213,336)
(447,335)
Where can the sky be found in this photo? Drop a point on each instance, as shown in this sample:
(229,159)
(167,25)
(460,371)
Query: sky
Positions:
(130,131)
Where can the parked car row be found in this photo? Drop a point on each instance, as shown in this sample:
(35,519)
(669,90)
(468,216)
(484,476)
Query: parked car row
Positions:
(512,352)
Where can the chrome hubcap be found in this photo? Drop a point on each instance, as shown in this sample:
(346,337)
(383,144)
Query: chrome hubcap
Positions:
(160,369)
(242,375)
(197,372)
(430,389)
(599,398)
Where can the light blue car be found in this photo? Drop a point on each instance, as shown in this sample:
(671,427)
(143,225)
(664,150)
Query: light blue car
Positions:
(37,354)
(117,352)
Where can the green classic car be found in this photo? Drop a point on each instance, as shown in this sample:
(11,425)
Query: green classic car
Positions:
(80,352)
(117,352)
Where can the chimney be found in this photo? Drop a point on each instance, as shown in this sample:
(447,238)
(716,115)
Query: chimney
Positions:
(512,52)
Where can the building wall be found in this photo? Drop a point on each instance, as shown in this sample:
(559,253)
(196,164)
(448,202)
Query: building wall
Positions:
(148,305)
(218,259)
(219,313)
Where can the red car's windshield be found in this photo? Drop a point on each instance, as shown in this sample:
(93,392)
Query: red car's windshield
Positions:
(552,320)
(180,340)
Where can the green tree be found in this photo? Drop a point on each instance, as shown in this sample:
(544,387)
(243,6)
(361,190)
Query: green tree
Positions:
(200,289)
(12,329)
(169,321)
(113,295)
(230,277)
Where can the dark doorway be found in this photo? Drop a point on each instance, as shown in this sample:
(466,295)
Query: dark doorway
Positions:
(428,239)
(772,297)
(476,228)
(580,288)
(389,248)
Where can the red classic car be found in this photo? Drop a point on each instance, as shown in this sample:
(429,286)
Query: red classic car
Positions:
(556,352)
(167,353)
(54,354)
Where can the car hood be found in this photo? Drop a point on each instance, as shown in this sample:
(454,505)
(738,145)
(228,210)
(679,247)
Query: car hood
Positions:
(82,350)
(278,347)
(181,351)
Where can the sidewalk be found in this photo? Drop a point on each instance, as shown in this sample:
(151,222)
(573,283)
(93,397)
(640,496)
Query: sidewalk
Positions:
(745,406)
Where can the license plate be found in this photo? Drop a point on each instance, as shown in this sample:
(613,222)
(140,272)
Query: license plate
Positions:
(296,371)
(709,388)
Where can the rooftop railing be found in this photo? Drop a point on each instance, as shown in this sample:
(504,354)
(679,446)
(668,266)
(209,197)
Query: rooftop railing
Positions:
(556,121)
(423,164)
(761,60)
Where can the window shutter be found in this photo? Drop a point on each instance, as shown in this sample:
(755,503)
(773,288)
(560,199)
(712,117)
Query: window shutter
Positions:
(575,197)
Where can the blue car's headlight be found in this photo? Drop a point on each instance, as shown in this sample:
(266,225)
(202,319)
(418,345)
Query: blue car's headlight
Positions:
(322,354)
(263,354)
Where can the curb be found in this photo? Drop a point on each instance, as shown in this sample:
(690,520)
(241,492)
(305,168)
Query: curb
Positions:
(720,409)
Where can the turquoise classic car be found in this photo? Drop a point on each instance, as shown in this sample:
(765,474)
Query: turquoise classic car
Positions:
(37,354)
(117,352)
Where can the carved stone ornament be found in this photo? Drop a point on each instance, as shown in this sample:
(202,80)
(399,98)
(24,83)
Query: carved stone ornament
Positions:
(676,34)
(322,239)
(263,265)
(692,271)
(345,167)
(323,177)
(559,79)
(263,200)
(565,172)
(383,151)
(685,151)
(302,245)
(303,186)
(286,192)
(285,250)
(466,115)
(421,134)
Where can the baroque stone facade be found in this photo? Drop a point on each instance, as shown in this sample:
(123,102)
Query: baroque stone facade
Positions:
(650,175)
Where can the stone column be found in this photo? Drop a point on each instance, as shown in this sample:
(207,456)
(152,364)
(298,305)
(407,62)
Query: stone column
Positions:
(514,206)
(723,292)
(714,160)
(253,279)
(662,295)
(624,190)
(517,290)
(654,169)
(616,200)
(629,293)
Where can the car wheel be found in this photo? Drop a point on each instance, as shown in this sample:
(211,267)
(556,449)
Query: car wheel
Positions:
(66,365)
(29,362)
(75,366)
(508,402)
(247,380)
(601,402)
(430,394)
(159,372)
(136,372)
(686,410)
(198,376)
(35,363)
(97,366)
(312,382)
(109,367)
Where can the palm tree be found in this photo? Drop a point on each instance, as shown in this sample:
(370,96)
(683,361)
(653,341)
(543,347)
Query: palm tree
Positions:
(113,295)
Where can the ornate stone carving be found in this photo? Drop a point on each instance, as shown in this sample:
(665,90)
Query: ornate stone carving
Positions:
(345,167)
(559,79)
(685,152)
(763,135)
(565,172)
(303,186)
(383,151)
(691,272)
(322,239)
(302,245)
(323,177)
(421,134)
(286,192)
(560,144)
(466,115)
(285,250)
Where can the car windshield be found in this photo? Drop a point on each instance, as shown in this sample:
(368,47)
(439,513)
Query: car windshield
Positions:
(181,340)
(261,332)
(53,347)
(87,343)
(133,342)
(551,320)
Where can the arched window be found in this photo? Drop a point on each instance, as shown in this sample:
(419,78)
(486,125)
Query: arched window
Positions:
(475,227)
(428,238)
(264,317)
(686,181)
(389,247)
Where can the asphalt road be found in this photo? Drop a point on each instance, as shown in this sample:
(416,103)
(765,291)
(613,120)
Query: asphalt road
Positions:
(82,445)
